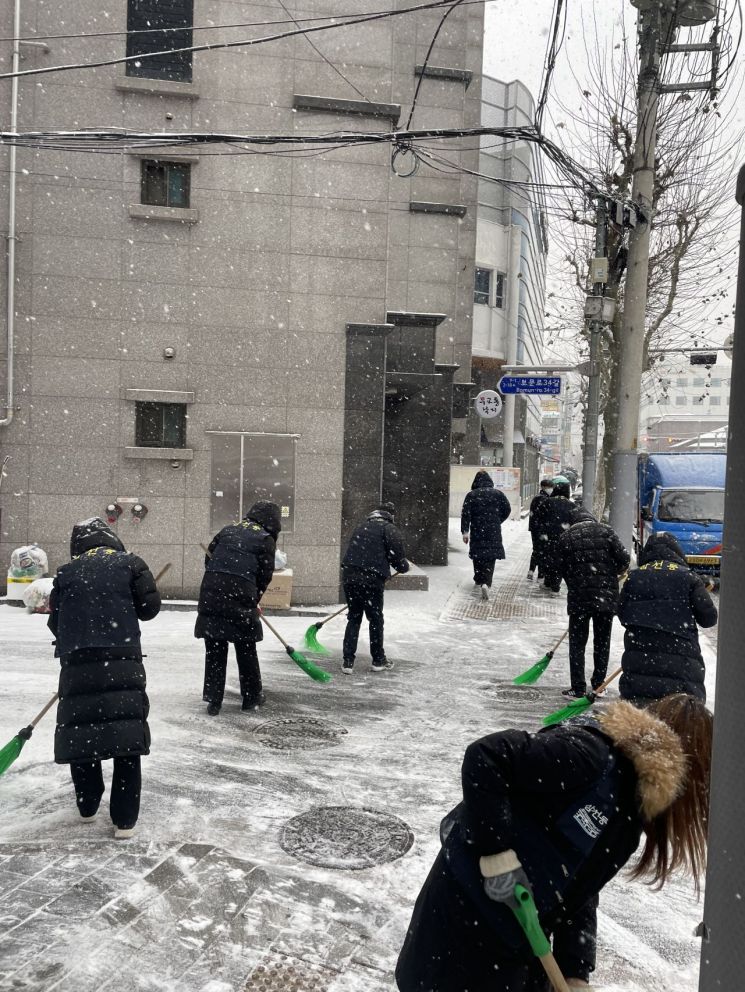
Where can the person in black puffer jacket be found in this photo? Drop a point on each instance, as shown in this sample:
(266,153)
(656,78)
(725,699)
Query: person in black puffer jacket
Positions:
(374,547)
(559,812)
(661,603)
(592,558)
(551,519)
(485,509)
(239,566)
(96,602)
(547,487)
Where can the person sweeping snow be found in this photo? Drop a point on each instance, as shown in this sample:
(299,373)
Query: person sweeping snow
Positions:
(559,813)
(374,548)
(239,565)
(96,602)
(484,511)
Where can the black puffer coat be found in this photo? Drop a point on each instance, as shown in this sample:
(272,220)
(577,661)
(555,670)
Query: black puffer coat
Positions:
(569,801)
(239,566)
(551,519)
(375,547)
(661,603)
(484,511)
(535,504)
(96,602)
(591,558)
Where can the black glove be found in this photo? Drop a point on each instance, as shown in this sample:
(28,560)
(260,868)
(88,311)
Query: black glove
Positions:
(502,872)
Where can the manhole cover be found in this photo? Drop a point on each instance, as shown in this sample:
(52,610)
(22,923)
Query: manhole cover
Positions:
(278,973)
(508,693)
(346,837)
(298,733)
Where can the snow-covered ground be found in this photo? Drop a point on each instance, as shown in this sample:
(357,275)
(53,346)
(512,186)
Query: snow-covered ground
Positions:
(213,781)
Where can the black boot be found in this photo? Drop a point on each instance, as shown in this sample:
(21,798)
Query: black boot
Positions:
(253,702)
(213,709)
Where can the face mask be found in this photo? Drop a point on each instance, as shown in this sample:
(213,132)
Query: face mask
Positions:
(548,491)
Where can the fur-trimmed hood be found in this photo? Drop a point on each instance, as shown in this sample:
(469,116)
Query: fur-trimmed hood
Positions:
(655,751)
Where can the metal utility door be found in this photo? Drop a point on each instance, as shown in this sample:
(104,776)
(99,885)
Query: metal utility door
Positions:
(249,467)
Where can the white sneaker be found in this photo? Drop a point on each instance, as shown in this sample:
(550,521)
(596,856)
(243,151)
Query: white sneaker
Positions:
(89,819)
(121,834)
(485,592)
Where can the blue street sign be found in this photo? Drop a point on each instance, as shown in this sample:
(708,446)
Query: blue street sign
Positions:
(543,385)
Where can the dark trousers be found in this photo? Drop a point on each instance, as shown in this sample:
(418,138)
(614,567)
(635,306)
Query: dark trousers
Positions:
(126,785)
(364,596)
(579,631)
(216,664)
(483,571)
(535,563)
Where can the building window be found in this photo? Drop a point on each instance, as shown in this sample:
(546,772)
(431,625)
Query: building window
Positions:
(681,400)
(715,401)
(699,381)
(682,381)
(716,383)
(165,184)
(698,400)
(664,401)
(499,290)
(482,287)
(160,425)
(146,20)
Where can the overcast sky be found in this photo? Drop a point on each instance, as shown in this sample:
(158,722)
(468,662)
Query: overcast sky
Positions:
(515,45)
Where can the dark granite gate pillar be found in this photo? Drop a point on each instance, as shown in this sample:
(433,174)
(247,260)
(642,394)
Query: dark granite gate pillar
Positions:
(364,412)
(418,419)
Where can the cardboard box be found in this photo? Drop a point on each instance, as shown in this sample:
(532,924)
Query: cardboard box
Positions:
(279,591)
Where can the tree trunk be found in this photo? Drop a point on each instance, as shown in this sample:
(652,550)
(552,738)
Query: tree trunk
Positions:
(610,432)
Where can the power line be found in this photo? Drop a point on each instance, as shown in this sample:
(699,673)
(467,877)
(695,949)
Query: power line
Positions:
(427,58)
(244,43)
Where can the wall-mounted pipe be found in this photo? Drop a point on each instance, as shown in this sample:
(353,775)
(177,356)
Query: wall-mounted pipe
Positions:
(11,236)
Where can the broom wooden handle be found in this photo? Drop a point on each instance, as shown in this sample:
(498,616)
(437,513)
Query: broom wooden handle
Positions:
(556,646)
(162,572)
(275,632)
(331,617)
(604,686)
(46,709)
(554,972)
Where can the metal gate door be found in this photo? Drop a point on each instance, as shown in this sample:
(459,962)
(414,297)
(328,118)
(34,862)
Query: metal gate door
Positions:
(247,467)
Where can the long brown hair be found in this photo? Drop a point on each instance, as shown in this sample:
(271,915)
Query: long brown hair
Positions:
(677,837)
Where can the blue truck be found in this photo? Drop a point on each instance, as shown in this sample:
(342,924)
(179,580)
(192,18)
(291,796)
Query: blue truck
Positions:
(682,494)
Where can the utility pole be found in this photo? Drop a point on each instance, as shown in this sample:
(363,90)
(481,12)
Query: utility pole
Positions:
(513,315)
(723,947)
(592,411)
(654,25)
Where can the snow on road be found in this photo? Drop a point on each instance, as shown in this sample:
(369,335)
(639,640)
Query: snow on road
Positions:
(214,781)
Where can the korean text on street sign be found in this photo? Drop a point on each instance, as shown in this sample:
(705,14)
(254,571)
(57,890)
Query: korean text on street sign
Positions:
(488,404)
(544,385)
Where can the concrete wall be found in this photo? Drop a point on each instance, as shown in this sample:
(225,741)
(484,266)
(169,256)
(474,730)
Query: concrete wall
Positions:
(252,289)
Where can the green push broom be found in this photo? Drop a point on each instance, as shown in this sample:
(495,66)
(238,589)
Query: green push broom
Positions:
(316,673)
(311,642)
(525,910)
(579,705)
(13,748)
(533,674)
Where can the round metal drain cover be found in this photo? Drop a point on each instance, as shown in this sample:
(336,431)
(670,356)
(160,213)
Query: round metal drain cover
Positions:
(508,693)
(346,837)
(299,733)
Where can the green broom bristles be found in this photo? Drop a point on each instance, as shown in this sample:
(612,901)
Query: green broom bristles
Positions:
(533,674)
(311,642)
(573,709)
(316,673)
(12,749)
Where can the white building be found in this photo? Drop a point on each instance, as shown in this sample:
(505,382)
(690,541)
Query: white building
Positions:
(681,402)
(510,276)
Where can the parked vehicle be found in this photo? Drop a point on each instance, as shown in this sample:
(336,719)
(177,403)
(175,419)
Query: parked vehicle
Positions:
(682,494)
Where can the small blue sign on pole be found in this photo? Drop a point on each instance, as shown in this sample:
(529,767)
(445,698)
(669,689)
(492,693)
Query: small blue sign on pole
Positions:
(537,385)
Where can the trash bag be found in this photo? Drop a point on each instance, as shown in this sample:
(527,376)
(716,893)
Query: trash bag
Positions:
(280,560)
(36,596)
(28,562)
